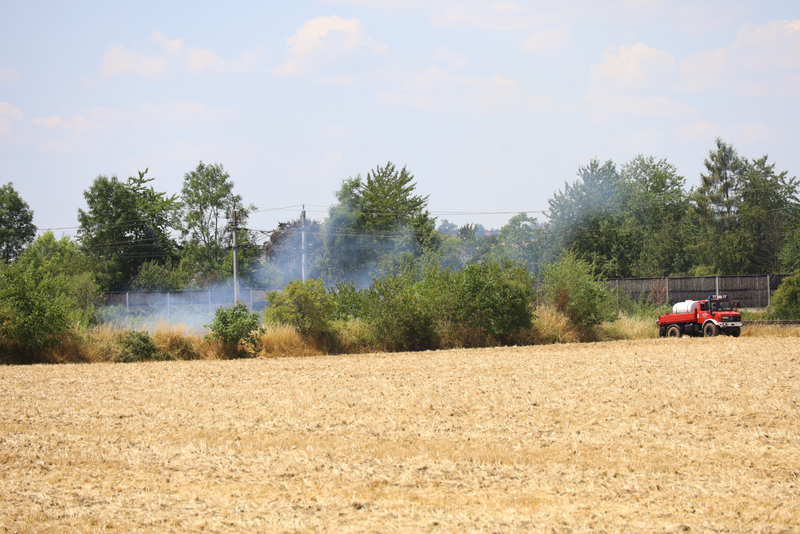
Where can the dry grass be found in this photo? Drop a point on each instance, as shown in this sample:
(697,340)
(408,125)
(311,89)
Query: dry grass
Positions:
(665,435)
(764,330)
(281,340)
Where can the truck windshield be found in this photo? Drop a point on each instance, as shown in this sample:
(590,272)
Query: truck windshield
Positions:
(720,305)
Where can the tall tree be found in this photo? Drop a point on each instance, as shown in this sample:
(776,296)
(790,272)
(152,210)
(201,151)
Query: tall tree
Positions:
(16,223)
(126,224)
(208,203)
(374,220)
(767,205)
(655,208)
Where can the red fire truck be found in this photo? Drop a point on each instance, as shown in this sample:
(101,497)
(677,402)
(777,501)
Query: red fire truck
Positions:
(714,315)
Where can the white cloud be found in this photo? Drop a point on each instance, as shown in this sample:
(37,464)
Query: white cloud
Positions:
(636,67)
(769,47)
(331,49)
(603,108)
(174,56)
(77,125)
(707,69)
(762,60)
(435,89)
(489,15)
(8,75)
(699,132)
(147,115)
(8,114)
(749,132)
(545,41)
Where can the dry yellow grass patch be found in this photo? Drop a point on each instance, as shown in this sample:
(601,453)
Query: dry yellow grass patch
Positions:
(282,340)
(666,435)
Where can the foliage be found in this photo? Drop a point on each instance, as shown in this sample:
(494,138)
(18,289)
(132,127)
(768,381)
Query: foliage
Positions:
(168,276)
(16,223)
(285,248)
(34,314)
(572,288)
(208,206)
(785,303)
(521,241)
(303,305)
(127,224)
(420,305)
(137,346)
(373,218)
(68,271)
(494,297)
(236,325)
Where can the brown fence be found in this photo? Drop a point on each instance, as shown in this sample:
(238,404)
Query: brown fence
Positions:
(752,291)
(177,302)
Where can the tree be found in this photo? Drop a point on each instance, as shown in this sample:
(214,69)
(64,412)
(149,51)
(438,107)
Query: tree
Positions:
(284,249)
(520,240)
(127,224)
(33,314)
(68,272)
(375,221)
(766,206)
(786,300)
(587,219)
(655,208)
(16,223)
(208,204)
(572,288)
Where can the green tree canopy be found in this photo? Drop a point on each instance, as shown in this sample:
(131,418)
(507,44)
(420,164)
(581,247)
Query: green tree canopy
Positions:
(208,205)
(374,221)
(126,224)
(16,223)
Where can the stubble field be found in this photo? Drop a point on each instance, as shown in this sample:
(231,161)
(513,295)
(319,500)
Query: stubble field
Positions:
(678,435)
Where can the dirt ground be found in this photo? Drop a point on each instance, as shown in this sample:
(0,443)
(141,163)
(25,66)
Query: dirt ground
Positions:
(668,435)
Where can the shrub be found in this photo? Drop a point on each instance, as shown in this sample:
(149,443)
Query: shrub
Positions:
(303,305)
(495,297)
(33,314)
(235,326)
(785,303)
(398,316)
(571,287)
(137,346)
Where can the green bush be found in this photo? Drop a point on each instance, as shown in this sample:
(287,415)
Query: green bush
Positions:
(572,288)
(398,315)
(785,303)
(235,326)
(495,297)
(137,346)
(303,305)
(34,315)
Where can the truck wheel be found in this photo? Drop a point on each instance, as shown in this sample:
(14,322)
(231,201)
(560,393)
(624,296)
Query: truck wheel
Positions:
(710,330)
(735,331)
(674,331)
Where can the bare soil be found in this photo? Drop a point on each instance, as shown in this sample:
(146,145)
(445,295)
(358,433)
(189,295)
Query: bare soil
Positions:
(666,435)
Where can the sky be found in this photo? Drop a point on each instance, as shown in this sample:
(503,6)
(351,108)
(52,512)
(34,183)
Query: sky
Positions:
(491,105)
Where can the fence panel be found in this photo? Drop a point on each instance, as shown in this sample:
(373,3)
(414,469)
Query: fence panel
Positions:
(752,291)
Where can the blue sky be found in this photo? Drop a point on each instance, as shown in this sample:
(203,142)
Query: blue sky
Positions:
(491,105)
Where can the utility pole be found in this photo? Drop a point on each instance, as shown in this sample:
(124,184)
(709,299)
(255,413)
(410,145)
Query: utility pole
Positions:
(235,259)
(303,243)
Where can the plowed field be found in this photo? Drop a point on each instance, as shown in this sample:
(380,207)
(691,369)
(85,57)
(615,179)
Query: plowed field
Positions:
(678,435)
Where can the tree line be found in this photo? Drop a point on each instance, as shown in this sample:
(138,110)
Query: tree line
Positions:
(636,219)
